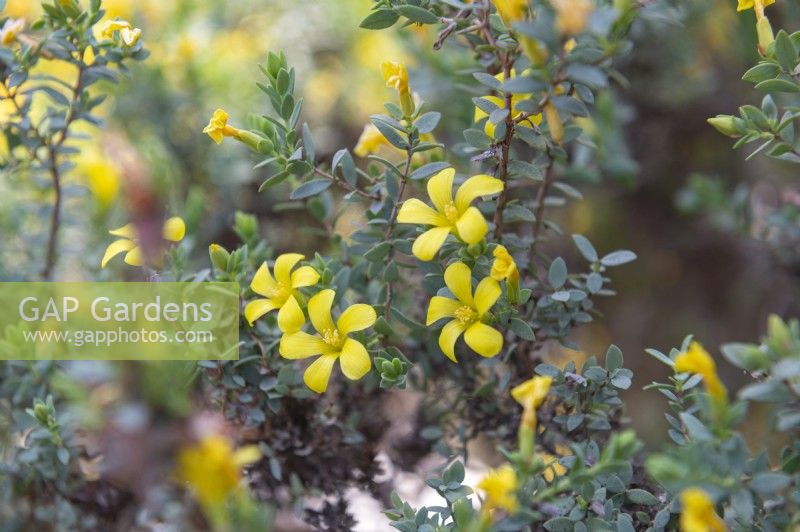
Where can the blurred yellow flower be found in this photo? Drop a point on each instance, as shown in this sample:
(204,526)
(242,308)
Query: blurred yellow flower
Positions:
(212,468)
(504,266)
(10,30)
(756,5)
(102,176)
(395,75)
(370,141)
(552,466)
(128,34)
(698,513)
(331,342)
(572,15)
(173,230)
(218,127)
(450,216)
(500,487)
(467,310)
(531,394)
(697,360)
(280,292)
(511,10)
(529,122)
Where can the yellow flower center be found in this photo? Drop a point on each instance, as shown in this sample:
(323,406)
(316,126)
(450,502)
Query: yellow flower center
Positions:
(465,314)
(451,212)
(332,337)
(279,292)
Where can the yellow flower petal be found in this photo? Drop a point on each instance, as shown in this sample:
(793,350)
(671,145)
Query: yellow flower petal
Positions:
(448,337)
(115,249)
(532,392)
(246,455)
(440,189)
(257,308)
(354,359)
(356,318)
(698,513)
(283,267)
(486,295)
(500,486)
(484,340)
(475,187)
(134,257)
(319,310)
(126,231)
(458,279)
(441,307)
(471,226)
(414,211)
(427,245)
(290,316)
(304,276)
(318,373)
(263,283)
(300,344)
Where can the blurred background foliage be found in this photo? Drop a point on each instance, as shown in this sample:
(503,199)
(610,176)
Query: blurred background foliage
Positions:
(706,264)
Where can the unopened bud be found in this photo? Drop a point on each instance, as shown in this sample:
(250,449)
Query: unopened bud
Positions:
(727,125)
(219,256)
(765,34)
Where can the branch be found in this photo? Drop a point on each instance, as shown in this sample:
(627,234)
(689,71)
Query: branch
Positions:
(345,185)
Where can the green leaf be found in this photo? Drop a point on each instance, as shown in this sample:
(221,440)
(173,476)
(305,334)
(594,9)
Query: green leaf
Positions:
(618,258)
(778,85)
(390,133)
(785,52)
(585,247)
(769,483)
(614,358)
(380,19)
(557,274)
(273,180)
(378,252)
(761,72)
(428,170)
(311,188)
(522,329)
(639,496)
(695,427)
(417,14)
(427,122)
(476,138)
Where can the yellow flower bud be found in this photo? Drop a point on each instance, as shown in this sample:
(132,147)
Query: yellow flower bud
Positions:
(726,125)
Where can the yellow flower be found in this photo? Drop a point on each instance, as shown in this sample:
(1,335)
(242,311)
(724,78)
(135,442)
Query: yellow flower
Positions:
(697,360)
(504,266)
(212,468)
(757,5)
(572,15)
(10,30)
(395,75)
(511,10)
(552,466)
(370,141)
(450,216)
(102,176)
(698,513)
(529,122)
(531,394)
(173,230)
(111,26)
(332,341)
(129,35)
(218,127)
(467,311)
(281,292)
(500,486)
